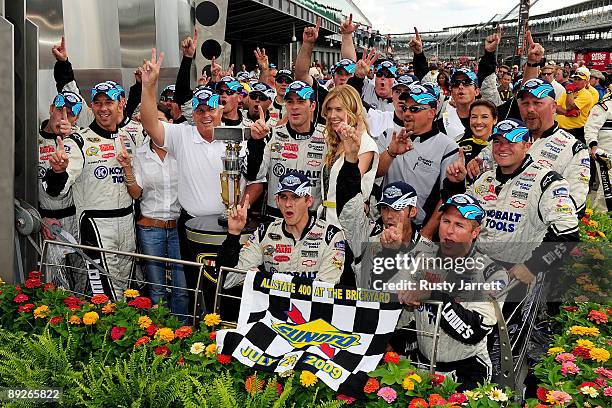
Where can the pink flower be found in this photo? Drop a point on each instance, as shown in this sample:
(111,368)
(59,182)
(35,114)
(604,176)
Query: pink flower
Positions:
(388,394)
(559,397)
(600,381)
(345,398)
(565,358)
(457,398)
(604,372)
(608,391)
(20,298)
(117,332)
(569,368)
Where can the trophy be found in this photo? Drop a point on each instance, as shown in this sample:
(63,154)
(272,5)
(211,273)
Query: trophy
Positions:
(232,136)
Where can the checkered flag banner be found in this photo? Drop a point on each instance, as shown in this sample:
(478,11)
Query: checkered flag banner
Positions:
(292,323)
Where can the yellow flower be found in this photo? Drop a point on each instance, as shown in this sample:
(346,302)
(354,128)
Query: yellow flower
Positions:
(601,234)
(41,311)
(584,343)
(588,212)
(584,331)
(144,322)
(109,308)
(599,354)
(211,350)
(415,377)
(212,319)
(593,223)
(165,334)
(74,319)
(308,379)
(90,318)
(197,348)
(473,395)
(131,293)
(1,282)
(408,384)
(553,351)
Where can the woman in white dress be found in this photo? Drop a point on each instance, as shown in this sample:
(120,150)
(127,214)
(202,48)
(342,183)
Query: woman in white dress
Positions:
(344,112)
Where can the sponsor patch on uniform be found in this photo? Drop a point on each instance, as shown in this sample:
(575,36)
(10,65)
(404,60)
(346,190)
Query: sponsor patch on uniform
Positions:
(91,151)
(108,155)
(278,170)
(519,194)
(274,237)
(281,258)
(289,155)
(275,147)
(268,250)
(560,192)
(314,163)
(517,204)
(309,262)
(339,245)
(283,249)
(314,155)
(545,163)
(310,254)
(94,139)
(585,162)
(316,147)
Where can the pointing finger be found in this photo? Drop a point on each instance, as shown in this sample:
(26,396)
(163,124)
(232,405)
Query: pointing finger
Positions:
(64,114)
(261,112)
(416,33)
(63,42)
(60,145)
(123,149)
(529,38)
(318,26)
(350,20)
(195,35)
(461,154)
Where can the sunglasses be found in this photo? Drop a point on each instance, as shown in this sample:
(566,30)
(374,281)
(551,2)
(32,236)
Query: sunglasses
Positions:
(387,74)
(228,92)
(165,98)
(258,96)
(283,80)
(415,108)
(546,73)
(465,82)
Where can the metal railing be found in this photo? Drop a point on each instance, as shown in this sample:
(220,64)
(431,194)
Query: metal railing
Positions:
(79,270)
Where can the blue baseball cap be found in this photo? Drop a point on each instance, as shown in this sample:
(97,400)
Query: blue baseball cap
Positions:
(296,183)
(263,88)
(388,65)
(231,83)
(203,95)
(108,88)
(271,65)
(434,88)
(301,89)
(538,88)
(464,71)
(513,130)
(347,64)
(420,95)
(398,196)
(71,100)
(467,205)
(243,76)
(405,79)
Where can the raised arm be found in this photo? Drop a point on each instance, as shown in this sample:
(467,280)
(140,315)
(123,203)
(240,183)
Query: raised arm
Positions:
(148,109)
(302,62)
(535,52)
(347,29)
(263,63)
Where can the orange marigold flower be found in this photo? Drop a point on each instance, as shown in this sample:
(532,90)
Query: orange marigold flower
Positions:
(598,317)
(392,357)
(224,359)
(372,385)
(436,399)
(99,299)
(418,403)
(183,332)
(109,308)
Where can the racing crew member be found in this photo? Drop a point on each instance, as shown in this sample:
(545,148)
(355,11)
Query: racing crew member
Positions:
(455,120)
(574,106)
(551,147)
(527,204)
(598,135)
(297,146)
(230,93)
(298,244)
(467,316)
(424,165)
(281,81)
(166,98)
(104,207)
(260,96)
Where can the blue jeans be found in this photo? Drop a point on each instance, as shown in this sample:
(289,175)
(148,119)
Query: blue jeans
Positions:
(164,242)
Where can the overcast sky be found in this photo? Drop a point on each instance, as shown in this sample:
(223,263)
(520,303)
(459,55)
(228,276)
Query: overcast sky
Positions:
(400,16)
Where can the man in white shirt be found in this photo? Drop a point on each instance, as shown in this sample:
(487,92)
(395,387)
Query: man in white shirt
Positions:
(154,180)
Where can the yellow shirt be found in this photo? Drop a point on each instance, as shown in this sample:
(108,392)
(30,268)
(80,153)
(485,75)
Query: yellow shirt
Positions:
(584,101)
(594,94)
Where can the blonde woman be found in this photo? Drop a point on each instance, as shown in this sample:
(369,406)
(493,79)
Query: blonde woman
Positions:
(344,115)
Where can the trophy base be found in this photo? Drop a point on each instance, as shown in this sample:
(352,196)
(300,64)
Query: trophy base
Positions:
(222,220)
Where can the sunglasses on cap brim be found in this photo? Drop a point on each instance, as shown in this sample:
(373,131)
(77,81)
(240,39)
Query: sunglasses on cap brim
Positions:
(385,73)
(69,101)
(258,96)
(415,108)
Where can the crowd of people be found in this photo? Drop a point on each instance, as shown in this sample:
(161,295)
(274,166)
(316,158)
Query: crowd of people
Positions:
(427,159)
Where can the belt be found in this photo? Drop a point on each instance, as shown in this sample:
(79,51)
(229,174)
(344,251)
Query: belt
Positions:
(58,214)
(119,212)
(152,222)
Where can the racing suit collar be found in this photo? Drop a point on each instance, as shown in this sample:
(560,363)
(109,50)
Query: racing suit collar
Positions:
(471,253)
(42,133)
(311,222)
(294,134)
(397,120)
(102,132)
(233,122)
(502,178)
(551,131)
(424,136)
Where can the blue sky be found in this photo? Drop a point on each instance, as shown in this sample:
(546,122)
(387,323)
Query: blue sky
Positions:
(400,16)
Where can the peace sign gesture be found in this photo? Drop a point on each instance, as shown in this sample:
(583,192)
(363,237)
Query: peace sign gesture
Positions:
(237,217)
(366,61)
(492,41)
(59,158)
(416,44)
(261,57)
(535,51)
(311,34)
(347,26)
(189,44)
(150,69)
(124,158)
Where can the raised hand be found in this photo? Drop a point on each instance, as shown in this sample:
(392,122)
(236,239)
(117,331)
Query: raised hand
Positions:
(535,51)
(59,158)
(138,75)
(229,72)
(150,69)
(65,128)
(259,129)
(363,65)
(400,143)
(215,70)
(124,158)
(391,237)
(473,167)
(456,171)
(188,45)
(347,26)
(59,51)
(203,79)
(262,58)
(351,142)
(237,217)
(311,34)
(416,44)
(492,41)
